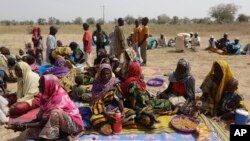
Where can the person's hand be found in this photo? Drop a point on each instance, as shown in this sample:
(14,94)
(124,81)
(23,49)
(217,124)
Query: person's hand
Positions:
(111,119)
(12,107)
(139,44)
(16,127)
(216,118)
(158,94)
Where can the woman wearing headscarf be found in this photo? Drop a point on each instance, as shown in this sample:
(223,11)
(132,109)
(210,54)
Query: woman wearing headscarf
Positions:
(137,97)
(129,56)
(106,99)
(38,46)
(59,69)
(214,85)
(27,95)
(58,115)
(181,88)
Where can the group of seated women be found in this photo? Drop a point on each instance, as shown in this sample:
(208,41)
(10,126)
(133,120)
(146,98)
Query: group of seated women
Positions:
(116,90)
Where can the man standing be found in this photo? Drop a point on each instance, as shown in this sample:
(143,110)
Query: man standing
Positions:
(99,37)
(144,40)
(51,43)
(136,38)
(119,39)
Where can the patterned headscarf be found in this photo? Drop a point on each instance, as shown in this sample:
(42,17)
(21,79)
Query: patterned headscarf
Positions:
(134,75)
(131,54)
(100,88)
(59,68)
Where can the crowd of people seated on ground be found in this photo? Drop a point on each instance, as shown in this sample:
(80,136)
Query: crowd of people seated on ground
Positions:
(116,85)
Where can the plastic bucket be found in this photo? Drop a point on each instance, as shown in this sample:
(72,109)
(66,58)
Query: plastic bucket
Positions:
(42,69)
(241,117)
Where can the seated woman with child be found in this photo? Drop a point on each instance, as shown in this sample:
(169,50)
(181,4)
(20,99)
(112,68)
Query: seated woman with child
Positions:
(220,90)
(137,97)
(106,100)
(181,88)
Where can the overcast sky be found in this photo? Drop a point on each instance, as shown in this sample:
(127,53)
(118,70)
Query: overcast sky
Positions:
(68,10)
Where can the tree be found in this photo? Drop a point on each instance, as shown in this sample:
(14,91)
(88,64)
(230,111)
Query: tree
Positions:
(153,20)
(100,21)
(243,18)
(52,21)
(41,21)
(175,20)
(163,19)
(129,19)
(186,20)
(224,13)
(58,22)
(90,20)
(78,20)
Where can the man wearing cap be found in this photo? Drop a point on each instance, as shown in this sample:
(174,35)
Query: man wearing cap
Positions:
(223,42)
(162,41)
(195,42)
(211,42)
(234,47)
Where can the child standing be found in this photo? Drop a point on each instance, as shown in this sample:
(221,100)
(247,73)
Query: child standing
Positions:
(87,44)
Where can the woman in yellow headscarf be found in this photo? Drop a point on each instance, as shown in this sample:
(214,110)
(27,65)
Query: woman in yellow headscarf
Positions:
(27,95)
(215,83)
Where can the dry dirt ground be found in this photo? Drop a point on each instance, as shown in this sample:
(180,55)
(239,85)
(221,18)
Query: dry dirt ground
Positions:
(165,59)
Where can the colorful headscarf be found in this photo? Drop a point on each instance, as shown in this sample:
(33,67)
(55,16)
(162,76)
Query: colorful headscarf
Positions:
(59,69)
(55,97)
(99,88)
(36,33)
(134,75)
(131,53)
(27,85)
(227,76)
(174,77)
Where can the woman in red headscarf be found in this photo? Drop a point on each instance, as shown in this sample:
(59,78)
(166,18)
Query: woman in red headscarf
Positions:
(38,46)
(137,97)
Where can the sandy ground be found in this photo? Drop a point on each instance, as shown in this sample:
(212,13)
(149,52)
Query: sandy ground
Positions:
(201,62)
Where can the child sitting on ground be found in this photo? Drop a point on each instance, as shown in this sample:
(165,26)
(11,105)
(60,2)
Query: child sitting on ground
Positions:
(80,92)
(33,65)
(20,56)
(230,101)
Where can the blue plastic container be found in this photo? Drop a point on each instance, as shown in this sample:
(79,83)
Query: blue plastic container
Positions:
(241,117)
(42,69)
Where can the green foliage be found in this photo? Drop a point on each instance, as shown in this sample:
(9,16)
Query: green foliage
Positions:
(41,21)
(100,21)
(175,20)
(243,18)
(129,19)
(90,21)
(224,13)
(163,19)
(78,21)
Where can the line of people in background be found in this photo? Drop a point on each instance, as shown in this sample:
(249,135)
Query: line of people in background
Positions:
(224,46)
